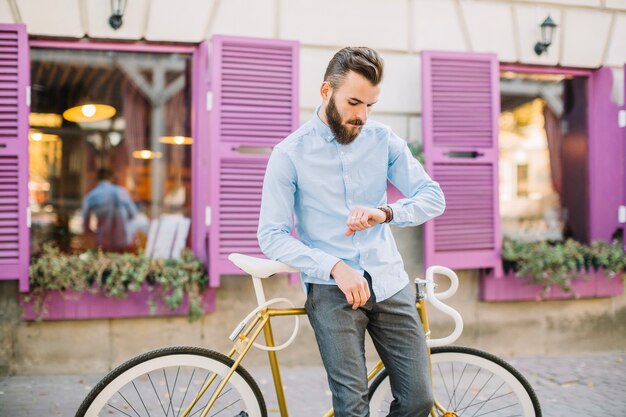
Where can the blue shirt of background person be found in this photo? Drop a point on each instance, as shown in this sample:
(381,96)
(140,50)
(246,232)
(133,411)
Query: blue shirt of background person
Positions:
(114,210)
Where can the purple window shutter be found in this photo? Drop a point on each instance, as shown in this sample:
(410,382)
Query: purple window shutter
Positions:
(200,151)
(14,216)
(254,85)
(461,106)
(606,157)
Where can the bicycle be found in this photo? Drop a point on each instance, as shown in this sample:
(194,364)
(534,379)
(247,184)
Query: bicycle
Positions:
(184,381)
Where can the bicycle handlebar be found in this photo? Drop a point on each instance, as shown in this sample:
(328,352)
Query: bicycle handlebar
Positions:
(435,299)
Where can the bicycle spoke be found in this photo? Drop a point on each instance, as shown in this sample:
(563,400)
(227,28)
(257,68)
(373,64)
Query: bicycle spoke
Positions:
(443,380)
(234,402)
(131,406)
(452,400)
(496,410)
(457,386)
(180,408)
(207,403)
(117,409)
(488,399)
(479,392)
(170,393)
(157,394)
(482,402)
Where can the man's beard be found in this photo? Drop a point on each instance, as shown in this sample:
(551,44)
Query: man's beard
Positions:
(341,132)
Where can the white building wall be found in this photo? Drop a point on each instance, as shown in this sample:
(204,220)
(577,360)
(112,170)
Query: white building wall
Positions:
(590,34)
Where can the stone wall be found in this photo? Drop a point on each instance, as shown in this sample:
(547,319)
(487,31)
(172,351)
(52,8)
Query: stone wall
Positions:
(506,328)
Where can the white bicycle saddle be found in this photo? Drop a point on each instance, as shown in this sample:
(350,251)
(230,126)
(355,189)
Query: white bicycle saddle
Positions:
(259,267)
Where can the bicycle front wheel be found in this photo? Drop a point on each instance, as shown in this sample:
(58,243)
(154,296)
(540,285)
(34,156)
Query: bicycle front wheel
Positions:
(166,381)
(468,382)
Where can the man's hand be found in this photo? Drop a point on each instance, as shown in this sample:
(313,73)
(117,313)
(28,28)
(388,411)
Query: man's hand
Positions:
(352,284)
(361,218)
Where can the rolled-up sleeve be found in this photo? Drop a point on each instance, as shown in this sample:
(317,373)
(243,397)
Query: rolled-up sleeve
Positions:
(424,198)
(276,221)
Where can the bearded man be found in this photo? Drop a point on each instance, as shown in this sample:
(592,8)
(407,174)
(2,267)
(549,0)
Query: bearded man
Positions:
(331,176)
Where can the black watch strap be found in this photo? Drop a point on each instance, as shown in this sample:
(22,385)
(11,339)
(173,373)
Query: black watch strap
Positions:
(388,213)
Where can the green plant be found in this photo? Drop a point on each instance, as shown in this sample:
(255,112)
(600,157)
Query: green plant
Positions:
(117,274)
(557,263)
(417,151)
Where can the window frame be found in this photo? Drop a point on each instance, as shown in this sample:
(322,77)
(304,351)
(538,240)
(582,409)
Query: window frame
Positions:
(87,306)
(509,287)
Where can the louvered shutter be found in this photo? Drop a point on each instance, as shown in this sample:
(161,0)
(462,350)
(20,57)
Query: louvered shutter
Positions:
(254,86)
(14,228)
(461,105)
(606,157)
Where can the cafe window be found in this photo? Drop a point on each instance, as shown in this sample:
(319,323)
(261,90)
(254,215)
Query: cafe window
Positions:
(109,147)
(543,151)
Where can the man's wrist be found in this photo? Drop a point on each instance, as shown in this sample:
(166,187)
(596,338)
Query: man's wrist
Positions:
(336,268)
(388,213)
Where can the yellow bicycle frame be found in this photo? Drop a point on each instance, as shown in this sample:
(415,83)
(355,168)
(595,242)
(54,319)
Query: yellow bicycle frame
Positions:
(262,322)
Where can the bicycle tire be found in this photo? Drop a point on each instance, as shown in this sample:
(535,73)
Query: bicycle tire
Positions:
(479,394)
(193,365)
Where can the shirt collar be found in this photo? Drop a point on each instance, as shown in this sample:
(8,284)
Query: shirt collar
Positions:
(322,128)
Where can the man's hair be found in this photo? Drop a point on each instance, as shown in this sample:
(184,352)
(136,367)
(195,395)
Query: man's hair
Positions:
(362,60)
(104,174)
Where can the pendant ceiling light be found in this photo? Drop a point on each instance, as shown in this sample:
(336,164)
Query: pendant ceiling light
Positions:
(90,112)
(176,140)
(146,154)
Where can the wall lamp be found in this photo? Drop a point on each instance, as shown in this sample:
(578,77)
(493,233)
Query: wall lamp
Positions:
(547,31)
(117,13)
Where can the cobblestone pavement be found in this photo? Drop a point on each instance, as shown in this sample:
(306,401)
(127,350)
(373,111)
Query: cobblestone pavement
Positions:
(591,385)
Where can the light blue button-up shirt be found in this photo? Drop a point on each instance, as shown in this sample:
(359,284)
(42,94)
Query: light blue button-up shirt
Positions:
(318,180)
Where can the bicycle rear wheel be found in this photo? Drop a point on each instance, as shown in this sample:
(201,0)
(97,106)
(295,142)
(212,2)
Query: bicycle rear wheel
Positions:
(468,382)
(164,382)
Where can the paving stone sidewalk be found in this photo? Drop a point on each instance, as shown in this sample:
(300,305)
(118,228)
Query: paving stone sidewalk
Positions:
(591,385)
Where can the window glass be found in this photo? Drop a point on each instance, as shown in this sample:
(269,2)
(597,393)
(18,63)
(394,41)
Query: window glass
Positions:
(109,147)
(540,128)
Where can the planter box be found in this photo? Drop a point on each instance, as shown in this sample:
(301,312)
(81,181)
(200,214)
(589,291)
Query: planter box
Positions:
(69,305)
(511,288)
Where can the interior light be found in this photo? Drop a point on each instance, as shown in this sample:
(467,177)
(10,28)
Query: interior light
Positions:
(176,140)
(90,112)
(45,119)
(37,136)
(146,154)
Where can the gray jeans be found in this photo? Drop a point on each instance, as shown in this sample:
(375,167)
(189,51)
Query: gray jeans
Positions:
(398,336)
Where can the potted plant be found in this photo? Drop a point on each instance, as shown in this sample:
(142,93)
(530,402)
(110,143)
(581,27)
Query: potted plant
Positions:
(558,263)
(117,275)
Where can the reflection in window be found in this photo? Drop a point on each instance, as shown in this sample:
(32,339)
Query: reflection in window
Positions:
(530,206)
(522,180)
(109,146)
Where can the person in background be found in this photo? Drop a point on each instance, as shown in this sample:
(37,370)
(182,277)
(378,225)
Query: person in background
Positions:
(331,176)
(114,210)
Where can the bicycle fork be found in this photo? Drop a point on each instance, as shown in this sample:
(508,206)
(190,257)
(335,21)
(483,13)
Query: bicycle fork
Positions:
(420,304)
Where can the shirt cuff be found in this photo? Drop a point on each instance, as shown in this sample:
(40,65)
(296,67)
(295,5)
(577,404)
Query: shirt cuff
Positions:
(400,216)
(327,263)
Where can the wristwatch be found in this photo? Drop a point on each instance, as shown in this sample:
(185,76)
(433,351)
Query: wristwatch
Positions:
(388,213)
